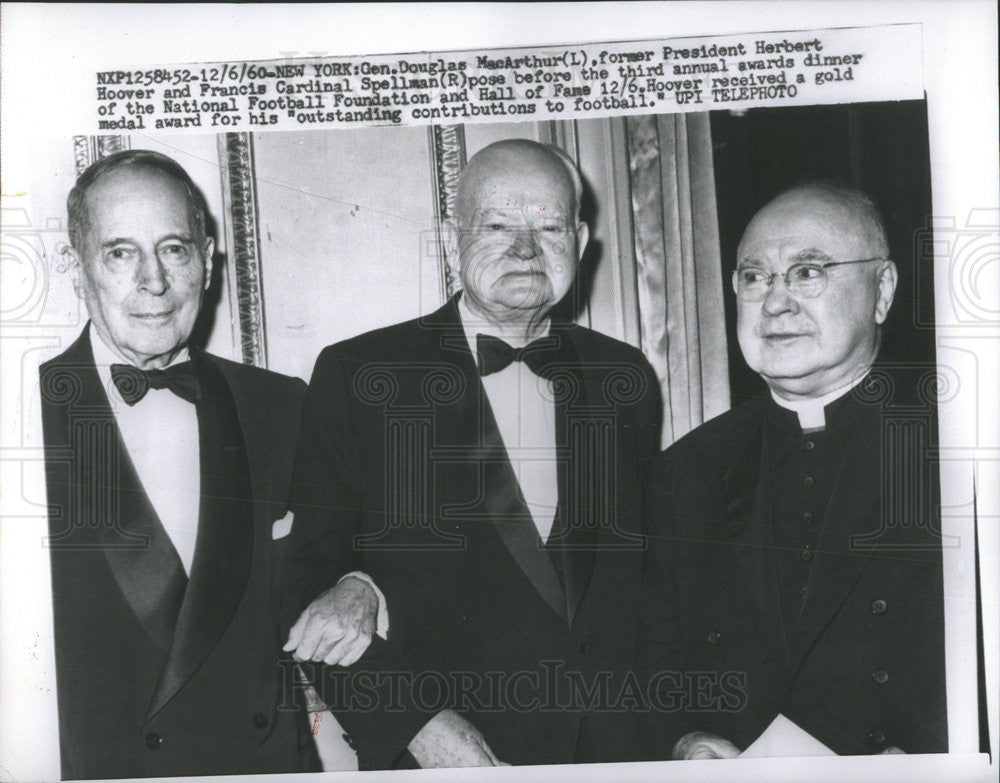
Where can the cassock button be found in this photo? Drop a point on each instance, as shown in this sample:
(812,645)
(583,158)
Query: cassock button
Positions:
(876,737)
(807,518)
(153,740)
(713,636)
(806,554)
(879,606)
(803,592)
(809,445)
(809,481)
(259,720)
(880,676)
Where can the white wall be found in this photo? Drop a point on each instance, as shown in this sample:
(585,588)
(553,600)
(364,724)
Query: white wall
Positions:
(347,237)
(348,242)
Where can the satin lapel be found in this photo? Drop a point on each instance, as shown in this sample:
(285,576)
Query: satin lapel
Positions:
(225,534)
(582,440)
(104,493)
(152,577)
(854,503)
(501,500)
(747,508)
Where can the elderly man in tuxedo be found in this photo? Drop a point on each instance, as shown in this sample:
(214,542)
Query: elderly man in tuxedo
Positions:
(794,568)
(482,465)
(166,468)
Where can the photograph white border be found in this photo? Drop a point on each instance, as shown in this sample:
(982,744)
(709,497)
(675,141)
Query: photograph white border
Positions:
(51,53)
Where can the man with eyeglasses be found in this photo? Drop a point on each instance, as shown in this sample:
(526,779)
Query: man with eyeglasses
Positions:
(794,566)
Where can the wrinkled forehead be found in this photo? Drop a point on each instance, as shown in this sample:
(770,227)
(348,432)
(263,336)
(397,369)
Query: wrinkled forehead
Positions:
(134,193)
(803,228)
(535,186)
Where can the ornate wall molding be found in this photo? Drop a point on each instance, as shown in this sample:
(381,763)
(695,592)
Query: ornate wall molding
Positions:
(562,134)
(90,149)
(239,194)
(447,161)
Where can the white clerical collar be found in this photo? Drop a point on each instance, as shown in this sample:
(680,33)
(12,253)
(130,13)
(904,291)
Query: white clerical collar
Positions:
(104,357)
(812,413)
(473,324)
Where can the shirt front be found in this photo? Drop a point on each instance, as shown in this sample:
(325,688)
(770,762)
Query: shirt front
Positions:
(524,409)
(160,433)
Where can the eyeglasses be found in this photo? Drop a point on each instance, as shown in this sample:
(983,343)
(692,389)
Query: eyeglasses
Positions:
(806,280)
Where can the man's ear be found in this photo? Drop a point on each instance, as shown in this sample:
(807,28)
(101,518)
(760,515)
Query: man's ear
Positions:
(209,251)
(449,236)
(582,237)
(887,280)
(74,265)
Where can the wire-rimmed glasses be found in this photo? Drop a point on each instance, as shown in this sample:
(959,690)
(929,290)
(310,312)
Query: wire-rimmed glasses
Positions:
(808,280)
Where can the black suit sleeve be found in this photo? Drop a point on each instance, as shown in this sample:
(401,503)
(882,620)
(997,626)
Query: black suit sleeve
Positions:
(324,496)
(660,664)
(650,417)
(371,698)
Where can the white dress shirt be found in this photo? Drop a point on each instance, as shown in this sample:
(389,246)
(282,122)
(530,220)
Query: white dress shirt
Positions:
(524,408)
(161,436)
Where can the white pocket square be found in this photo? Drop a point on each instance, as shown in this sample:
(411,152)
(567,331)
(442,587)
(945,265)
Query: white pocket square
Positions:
(282,527)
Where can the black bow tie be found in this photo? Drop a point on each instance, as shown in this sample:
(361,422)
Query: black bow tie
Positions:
(496,355)
(133,383)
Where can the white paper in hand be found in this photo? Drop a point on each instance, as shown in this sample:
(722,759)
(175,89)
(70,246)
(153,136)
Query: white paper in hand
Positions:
(785,738)
(282,527)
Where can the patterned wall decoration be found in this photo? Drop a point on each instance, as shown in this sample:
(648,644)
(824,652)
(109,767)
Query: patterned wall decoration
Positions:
(242,225)
(90,149)
(447,161)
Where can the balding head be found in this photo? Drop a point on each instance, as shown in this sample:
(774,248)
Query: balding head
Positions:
(517,159)
(809,340)
(517,236)
(848,205)
(130,160)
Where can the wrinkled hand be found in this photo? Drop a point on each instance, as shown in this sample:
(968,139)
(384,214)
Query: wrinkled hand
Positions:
(702,745)
(337,627)
(449,740)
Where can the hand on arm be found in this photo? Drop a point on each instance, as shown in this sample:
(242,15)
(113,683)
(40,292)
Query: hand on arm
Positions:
(449,740)
(702,745)
(337,627)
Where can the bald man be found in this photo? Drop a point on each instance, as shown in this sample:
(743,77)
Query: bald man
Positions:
(794,566)
(482,464)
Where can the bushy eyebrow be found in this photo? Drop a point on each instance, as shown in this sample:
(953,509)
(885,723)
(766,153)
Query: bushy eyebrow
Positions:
(116,241)
(806,255)
(811,254)
(483,214)
(491,213)
(748,261)
(109,243)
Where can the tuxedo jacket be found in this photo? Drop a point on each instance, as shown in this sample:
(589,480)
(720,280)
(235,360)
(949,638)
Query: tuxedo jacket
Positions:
(863,666)
(138,694)
(403,473)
